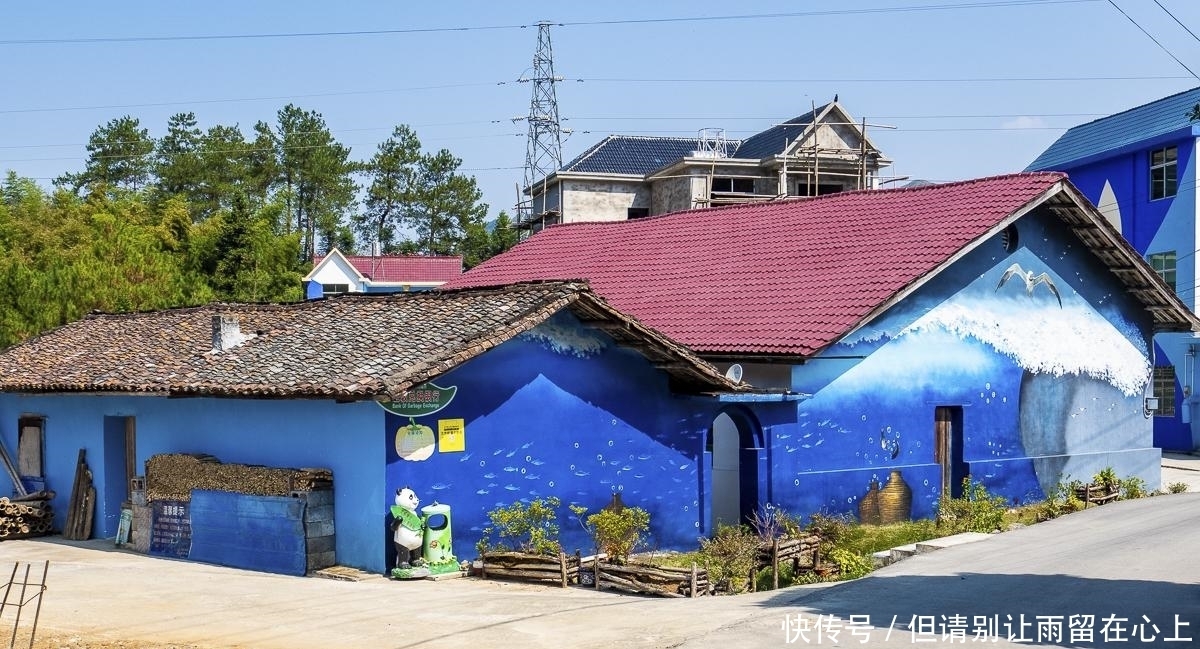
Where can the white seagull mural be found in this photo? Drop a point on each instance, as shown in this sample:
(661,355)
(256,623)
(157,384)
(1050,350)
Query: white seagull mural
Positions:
(1031,282)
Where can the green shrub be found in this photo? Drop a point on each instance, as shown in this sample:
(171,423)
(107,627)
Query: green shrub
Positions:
(532,528)
(833,528)
(1133,487)
(1177,487)
(1063,500)
(729,556)
(851,565)
(617,531)
(1107,478)
(976,511)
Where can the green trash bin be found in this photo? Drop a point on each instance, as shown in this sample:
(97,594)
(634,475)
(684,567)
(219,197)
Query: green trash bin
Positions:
(436,545)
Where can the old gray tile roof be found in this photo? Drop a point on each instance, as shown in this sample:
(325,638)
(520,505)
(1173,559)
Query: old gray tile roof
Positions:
(350,347)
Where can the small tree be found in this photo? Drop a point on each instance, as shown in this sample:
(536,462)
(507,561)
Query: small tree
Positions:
(527,528)
(617,530)
(729,556)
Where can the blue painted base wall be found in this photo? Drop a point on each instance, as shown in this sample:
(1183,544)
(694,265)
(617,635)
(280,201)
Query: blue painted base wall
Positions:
(341,437)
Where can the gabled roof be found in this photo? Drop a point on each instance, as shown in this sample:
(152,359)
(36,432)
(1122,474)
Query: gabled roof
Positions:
(351,347)
(396,269)
(642,155)
(1090,140)
(773,140)
(789,278)
(631,154)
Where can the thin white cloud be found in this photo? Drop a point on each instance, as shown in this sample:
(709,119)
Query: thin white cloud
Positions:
(1025,122)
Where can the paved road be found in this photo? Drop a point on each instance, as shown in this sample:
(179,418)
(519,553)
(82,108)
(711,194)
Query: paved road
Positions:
(1126,559)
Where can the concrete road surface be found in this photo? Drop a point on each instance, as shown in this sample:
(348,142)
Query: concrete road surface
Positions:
(1122,560)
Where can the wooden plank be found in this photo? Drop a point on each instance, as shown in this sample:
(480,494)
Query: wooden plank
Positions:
(73,503)
(18,486)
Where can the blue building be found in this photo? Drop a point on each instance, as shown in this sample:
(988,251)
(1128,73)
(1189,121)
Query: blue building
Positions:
(543,378)
(1139,168)
(998,328)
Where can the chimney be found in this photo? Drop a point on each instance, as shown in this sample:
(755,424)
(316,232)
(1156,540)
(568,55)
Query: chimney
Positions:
(226,333)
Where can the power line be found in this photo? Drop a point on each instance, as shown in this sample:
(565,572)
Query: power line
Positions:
(706,81)
(1178,21)
(1156,42)
(294,147)
(711,80)
(472,28)
(828,12)
(247,99)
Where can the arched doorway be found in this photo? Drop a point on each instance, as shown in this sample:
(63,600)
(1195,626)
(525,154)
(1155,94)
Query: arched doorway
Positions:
(734,445)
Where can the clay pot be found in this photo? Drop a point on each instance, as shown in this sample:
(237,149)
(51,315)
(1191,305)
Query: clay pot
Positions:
(868,507)
(895,500)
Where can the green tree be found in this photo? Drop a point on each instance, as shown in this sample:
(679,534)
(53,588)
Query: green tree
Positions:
(444,206)
(393,173)
(312,171)
(119,157)
(177,163)
(226,170)
(250,261)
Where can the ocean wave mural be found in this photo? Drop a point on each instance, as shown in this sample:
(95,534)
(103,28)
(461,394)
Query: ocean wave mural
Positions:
(1045,390)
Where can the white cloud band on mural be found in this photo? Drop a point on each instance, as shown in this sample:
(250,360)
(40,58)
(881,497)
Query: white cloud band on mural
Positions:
(1042,340)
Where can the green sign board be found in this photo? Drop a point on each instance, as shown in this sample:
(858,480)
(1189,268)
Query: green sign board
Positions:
(424,399)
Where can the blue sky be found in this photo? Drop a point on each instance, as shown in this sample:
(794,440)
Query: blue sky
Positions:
(930,72)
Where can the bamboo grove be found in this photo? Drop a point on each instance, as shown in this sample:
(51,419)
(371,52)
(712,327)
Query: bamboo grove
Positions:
(202,215)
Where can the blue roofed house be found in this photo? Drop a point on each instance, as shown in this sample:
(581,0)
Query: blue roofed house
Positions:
(1139,168)
(626,177)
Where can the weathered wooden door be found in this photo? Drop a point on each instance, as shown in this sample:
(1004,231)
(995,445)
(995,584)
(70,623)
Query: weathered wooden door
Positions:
(947,448)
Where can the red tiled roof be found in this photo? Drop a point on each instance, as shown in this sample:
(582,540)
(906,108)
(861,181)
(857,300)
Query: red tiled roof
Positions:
(786,278)
(405,268)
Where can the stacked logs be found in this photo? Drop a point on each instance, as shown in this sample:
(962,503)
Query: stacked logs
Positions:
(173,476)
(661,581)
(26,516)
(560,569)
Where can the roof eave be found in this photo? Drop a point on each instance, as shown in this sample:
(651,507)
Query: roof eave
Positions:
(559,176)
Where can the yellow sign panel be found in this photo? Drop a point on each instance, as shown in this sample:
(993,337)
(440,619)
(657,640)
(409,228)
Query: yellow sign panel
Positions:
(452,435)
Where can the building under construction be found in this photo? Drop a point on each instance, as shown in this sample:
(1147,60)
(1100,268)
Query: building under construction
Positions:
(626,177)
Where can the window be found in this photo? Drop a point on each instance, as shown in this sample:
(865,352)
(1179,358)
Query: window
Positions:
(1164,389)
(637,212)
(1163,165)
(334,289)
(805,189)
(733,185)
(1163,263)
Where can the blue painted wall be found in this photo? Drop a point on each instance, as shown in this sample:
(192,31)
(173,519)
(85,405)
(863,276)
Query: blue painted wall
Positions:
(342,437)
(313,290)
(1154,226)
(1037,403)
(561,411)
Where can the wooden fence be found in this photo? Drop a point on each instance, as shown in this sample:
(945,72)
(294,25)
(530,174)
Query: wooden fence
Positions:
(594,571)
(804,552)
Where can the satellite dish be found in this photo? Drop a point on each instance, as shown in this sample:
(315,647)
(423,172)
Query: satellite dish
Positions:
(734,373)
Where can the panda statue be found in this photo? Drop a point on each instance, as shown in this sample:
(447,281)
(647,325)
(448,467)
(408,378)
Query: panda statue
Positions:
(407,529)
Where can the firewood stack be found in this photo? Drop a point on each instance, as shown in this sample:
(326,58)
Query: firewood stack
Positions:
(173,477)
(26,516)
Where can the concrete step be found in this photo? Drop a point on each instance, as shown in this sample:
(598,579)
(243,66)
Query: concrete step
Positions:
(888,557)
